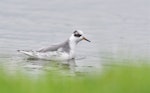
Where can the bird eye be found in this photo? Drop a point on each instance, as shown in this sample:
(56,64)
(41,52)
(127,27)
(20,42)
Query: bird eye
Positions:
(77,35)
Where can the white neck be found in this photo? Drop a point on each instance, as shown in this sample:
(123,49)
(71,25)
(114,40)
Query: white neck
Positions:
(73,45)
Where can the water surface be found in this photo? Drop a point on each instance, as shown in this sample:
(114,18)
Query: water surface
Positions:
(115,27)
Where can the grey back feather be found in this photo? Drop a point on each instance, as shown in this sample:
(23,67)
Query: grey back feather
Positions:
(64,46)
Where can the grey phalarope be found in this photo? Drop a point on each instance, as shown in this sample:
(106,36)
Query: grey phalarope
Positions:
(61,51)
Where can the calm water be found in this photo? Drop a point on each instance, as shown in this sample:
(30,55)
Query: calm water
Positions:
(115,27)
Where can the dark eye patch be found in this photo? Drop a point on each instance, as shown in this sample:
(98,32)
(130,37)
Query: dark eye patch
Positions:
(77,35)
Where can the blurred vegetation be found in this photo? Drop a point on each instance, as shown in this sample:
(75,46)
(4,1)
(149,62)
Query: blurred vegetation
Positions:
(118,79)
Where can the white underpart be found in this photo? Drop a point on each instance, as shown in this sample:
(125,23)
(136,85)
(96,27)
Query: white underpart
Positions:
(55,55)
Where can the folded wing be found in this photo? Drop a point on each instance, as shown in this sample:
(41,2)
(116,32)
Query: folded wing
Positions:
(64,46)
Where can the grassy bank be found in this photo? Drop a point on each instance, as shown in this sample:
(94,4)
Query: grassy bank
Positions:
(131,79)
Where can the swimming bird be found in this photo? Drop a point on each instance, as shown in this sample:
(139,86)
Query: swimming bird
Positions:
(62,51)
